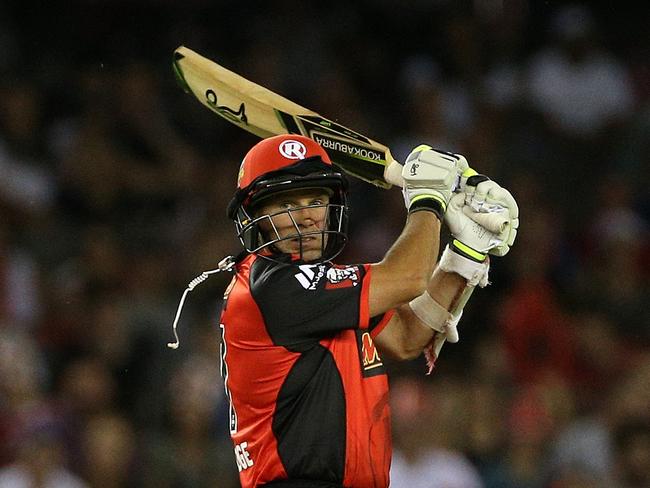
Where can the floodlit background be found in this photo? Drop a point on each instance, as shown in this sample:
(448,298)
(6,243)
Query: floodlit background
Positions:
(113,189)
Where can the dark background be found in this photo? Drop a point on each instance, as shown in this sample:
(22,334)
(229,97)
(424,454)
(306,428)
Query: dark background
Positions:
(113,189)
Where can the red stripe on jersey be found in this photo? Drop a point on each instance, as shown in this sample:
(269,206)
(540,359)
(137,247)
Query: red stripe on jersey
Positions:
(249,353)
(382,324)
(368,445)
(364,310)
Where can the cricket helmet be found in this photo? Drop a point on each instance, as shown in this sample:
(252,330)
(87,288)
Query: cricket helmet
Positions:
(284,163)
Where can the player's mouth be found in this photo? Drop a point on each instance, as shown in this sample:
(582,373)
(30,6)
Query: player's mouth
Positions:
(304,239)
(307,241)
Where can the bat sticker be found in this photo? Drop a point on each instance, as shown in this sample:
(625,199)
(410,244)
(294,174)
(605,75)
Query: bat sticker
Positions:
(334,127)
(227,112)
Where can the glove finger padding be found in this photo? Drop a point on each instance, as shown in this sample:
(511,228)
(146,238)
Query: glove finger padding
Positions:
(465,230)
(504,248)
(490,197)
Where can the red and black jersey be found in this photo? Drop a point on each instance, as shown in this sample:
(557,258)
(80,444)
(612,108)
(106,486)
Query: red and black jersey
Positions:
(307,388)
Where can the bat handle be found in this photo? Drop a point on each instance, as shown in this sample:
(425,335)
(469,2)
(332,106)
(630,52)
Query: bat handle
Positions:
(455,312)
(491,221)
(393,173)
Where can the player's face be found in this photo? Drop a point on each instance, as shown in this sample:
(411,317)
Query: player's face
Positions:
(309,221)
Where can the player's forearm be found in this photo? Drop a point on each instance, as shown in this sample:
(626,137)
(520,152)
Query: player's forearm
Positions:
(410,335)
(416,250)
(405,336)
(405,270)
(446,288)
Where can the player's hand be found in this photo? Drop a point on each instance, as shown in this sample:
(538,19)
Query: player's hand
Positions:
(489,197)
(470,238)
(430,177)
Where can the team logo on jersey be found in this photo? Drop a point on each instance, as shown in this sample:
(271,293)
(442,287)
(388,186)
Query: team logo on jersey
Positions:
(310,275)
(342,277)
(371,362)
(291,149)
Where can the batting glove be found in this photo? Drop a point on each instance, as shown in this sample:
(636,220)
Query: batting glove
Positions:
(430,176)
(487,197)
(482,197)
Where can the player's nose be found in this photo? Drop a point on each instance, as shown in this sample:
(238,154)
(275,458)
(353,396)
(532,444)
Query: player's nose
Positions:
(307,216)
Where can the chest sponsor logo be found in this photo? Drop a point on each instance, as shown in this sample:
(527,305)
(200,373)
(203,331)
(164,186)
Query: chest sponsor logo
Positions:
(310,275)
(342,277)
(371,362)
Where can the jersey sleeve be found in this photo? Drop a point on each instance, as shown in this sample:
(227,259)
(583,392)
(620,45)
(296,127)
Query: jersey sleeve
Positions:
(302,304)
(379,322)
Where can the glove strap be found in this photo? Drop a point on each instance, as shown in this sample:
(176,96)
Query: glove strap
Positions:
(467,252)
(427,203)
(474,272)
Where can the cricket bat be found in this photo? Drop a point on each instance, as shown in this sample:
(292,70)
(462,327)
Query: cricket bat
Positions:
(265,113)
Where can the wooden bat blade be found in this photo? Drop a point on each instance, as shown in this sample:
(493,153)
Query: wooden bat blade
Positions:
(265,113)
(239,101)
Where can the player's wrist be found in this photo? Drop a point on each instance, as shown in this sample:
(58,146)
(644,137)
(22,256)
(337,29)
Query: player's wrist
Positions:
(476,273)
(430,312)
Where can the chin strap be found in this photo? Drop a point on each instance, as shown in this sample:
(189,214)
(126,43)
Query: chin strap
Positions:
(226,264)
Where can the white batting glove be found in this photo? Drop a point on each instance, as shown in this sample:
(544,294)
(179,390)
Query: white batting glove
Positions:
(470,238)
(466,255)
(430,176)
(488,197)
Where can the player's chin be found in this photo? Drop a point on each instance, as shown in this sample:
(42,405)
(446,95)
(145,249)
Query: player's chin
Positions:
(311,248)
(310,256)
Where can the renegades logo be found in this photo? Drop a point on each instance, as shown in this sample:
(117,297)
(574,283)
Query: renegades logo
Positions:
(291,149)
(371,362)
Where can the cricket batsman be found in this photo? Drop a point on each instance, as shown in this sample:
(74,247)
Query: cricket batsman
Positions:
(303,338)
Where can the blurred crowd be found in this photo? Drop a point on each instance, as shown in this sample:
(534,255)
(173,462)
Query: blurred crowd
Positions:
(113,189)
